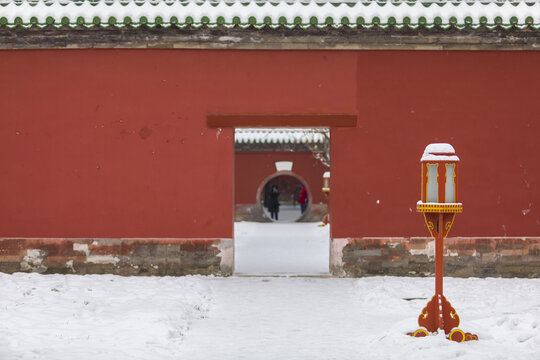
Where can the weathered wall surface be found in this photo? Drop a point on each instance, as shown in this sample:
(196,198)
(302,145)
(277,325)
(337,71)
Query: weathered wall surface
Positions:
(484,103)
(463,257)
(114,143)
(117,256)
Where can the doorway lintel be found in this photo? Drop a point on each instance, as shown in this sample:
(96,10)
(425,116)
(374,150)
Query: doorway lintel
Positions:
(281,120)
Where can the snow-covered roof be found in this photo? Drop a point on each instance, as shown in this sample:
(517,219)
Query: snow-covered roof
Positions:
(273,13)
(439,152)
(279,136)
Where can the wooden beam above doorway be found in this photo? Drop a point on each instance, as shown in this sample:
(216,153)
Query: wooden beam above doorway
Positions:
(281,120)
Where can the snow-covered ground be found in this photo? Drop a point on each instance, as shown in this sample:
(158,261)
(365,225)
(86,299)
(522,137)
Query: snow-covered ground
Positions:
(287,213)
(56,317)
(97,317)
(281,248)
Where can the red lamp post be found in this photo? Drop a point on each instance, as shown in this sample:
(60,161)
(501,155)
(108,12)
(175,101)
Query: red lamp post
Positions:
(440,205)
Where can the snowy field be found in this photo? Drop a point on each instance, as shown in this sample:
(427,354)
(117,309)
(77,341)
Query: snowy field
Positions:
(281,248)
(111,317)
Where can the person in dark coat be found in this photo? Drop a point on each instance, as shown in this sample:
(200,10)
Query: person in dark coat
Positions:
(273,203)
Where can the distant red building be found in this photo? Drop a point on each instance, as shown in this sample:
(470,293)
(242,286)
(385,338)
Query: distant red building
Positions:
(255,167)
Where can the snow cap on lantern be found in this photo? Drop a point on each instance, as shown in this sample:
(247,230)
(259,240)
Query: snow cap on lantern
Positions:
(439,165)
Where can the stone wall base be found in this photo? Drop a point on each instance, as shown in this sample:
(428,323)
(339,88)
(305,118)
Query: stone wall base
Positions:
(350,257)
(148,256)
(463,257)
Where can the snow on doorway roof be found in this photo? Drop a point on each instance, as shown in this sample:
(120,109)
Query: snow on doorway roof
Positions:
(274,13)
(280,136)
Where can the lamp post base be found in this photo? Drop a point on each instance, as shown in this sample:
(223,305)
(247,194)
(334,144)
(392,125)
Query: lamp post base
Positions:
(440,315)
(325,220)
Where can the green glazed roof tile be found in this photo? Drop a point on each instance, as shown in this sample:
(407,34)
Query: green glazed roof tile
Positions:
(304,13)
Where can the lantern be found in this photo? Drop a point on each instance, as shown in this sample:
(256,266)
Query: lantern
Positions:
(439,180)
(326,183)
(439,169)
(439,204)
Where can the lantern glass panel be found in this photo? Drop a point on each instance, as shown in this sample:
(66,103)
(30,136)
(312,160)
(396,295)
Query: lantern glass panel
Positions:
(450,189)
(432,185)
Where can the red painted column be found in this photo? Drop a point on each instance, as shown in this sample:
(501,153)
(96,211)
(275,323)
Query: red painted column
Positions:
(439,269)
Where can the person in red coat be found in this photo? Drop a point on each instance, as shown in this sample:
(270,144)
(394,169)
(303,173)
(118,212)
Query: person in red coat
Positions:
(303,200)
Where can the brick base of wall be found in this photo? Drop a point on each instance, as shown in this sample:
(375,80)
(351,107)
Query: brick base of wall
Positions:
(350,257)
(117,256)
(463,257)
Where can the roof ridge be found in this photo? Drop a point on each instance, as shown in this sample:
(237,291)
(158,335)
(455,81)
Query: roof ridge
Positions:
(303,14)
(279,135)
(245,2)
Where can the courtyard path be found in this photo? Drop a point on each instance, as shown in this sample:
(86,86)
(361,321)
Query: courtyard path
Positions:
(281,248)
(280,318)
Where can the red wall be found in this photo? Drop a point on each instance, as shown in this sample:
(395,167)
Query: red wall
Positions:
(252,168)
(487,104)
(113,143)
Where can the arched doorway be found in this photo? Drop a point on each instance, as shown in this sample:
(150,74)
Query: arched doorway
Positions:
(289,185)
